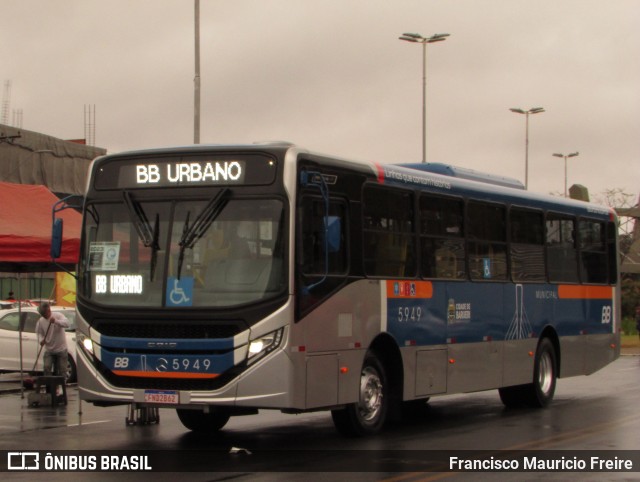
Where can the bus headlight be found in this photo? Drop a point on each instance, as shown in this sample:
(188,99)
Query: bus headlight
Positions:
(265,344)
(86,343)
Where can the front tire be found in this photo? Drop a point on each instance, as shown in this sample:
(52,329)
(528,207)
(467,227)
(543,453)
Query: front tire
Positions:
(72,375)
(199,421)
(368,415)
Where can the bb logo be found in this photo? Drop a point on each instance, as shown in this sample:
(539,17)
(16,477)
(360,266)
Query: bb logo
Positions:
(121,362)
(23,461)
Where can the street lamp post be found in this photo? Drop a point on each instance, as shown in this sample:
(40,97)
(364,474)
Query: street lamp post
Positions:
(573,154)
(417,38)
(196,80)
(533,110)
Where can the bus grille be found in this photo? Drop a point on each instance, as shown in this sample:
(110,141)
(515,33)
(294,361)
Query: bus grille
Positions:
(161,330)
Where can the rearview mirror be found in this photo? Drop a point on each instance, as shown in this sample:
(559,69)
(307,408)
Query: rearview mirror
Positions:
(56,238)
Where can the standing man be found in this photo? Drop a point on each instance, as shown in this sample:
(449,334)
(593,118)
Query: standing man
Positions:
(50,330)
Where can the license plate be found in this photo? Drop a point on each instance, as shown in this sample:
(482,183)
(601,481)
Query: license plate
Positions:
(162,396)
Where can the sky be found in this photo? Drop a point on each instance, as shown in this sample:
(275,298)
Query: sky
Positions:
(332,76)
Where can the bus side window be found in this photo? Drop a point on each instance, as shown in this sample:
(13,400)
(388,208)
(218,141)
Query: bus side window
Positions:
(442,238)
(562,255)
(313,238)
(593,251)
(527,245)
(389,246)
(487,241)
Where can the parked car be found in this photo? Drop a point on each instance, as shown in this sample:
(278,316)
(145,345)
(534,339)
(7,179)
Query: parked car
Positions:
(10,344)
(7,304)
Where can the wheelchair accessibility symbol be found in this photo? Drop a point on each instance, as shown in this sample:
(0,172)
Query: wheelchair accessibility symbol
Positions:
(180,291)
(486,268)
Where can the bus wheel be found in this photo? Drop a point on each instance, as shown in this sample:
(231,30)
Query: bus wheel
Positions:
(544,375)
(540,392)
(198,421)
(368,415)
(72,375)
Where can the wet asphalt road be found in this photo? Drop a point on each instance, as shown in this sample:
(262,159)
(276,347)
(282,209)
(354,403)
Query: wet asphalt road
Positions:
(598,413)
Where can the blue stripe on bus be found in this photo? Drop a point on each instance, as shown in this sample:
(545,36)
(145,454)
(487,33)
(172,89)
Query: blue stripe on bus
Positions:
(164,344)
(134,364)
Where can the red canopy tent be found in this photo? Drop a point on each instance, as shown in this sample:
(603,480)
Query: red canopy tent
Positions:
(25,230)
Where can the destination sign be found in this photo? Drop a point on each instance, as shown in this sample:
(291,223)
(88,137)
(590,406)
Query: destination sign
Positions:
(190,173)
(186,171)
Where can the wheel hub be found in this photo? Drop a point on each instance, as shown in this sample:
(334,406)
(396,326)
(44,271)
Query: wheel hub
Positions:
(370,394)
(545,373)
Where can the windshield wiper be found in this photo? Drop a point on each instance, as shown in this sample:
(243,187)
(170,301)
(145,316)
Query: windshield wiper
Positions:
(91,209)
(154,247)
(191,234)
(147,235)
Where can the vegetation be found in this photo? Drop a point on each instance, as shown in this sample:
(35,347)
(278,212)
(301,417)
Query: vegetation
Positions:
(630,341)
(629,327)
(630,293)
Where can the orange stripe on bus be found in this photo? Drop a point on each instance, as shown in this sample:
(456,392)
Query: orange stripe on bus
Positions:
(409,289)
(133,373)
(585,292)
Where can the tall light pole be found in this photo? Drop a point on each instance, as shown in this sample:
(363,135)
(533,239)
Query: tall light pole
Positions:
(573,154)
(196,80)
(417,38)
(533,110)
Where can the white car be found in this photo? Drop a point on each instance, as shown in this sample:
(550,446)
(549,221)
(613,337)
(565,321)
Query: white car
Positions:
(10,344)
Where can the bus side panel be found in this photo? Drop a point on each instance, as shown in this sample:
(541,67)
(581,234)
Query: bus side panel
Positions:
(334,338)
(430,372)
(572,356)
(584,317)
(474,366)
(416,320)
(322,383)
(518,361)
(600,351)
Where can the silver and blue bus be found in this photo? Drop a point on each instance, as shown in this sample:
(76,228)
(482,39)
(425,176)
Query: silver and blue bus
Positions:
(221,280)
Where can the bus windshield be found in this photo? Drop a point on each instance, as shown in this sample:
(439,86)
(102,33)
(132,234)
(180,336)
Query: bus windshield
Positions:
(216,252)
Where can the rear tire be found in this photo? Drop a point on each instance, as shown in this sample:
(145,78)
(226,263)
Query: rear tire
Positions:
(369,414)
(199,421)
(540,392)
(544,376)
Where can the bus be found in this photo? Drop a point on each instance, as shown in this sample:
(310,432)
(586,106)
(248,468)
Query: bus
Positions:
(222,280)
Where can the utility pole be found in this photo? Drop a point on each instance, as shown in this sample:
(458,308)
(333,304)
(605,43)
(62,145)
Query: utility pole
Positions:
(196,80)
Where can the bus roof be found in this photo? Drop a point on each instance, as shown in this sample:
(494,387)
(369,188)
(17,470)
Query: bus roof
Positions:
(465,173)
(443,178)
